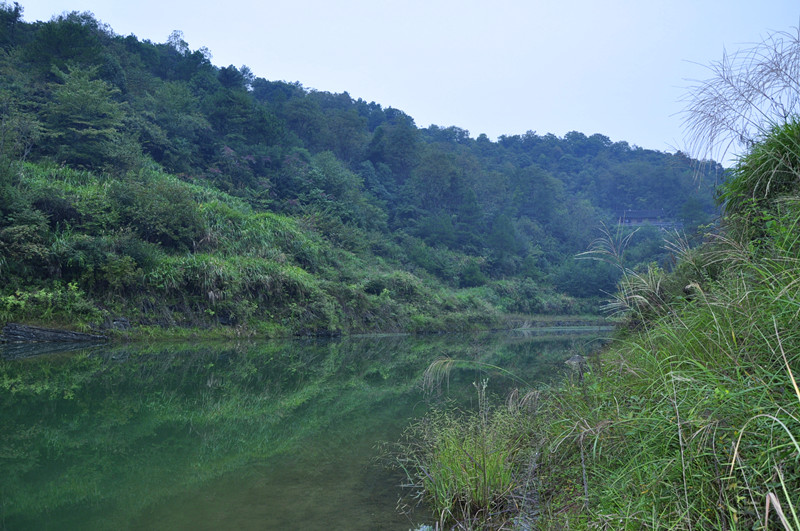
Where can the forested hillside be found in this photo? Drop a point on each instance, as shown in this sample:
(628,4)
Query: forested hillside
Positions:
(141,185)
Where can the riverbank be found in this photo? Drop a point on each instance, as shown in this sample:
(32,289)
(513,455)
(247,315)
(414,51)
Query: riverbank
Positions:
(692,419)
(122,330)
(688,419)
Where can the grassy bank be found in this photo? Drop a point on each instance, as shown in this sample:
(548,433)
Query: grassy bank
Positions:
(691,418)
(92,252)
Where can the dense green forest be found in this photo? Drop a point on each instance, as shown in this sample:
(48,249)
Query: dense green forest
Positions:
(142,186)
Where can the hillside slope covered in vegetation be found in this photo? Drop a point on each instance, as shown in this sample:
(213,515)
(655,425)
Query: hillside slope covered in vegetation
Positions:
(142,185)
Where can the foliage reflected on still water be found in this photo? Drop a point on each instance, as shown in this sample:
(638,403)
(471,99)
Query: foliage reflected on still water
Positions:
(100,437)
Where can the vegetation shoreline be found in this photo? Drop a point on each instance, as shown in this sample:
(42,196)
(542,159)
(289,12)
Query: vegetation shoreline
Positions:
(690,418)
(139,333)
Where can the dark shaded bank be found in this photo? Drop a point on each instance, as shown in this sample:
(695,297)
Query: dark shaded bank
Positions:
(19,333)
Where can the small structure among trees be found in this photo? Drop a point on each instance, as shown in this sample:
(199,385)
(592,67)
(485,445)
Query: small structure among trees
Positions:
(638,218)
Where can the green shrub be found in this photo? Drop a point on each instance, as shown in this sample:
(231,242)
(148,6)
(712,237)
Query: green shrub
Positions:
(58,209)
(160,210)
(518,296)
(399,285)
(471,275)
(23,244)
(467,464)
(62,304)
(770,170)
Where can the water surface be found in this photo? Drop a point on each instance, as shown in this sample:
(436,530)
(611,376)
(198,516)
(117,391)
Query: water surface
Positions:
(252,435)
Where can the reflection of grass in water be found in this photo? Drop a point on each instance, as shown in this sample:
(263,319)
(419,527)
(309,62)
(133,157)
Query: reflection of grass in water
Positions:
(119,431)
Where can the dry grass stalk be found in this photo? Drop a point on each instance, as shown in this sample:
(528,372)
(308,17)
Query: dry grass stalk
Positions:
(749,92)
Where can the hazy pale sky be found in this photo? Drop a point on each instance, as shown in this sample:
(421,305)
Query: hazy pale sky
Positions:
(614,67)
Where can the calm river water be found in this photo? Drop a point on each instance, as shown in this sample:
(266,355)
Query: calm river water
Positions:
(252,435)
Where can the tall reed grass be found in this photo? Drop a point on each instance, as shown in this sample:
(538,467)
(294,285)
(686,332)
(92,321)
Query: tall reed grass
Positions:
(469,466)
(691,421)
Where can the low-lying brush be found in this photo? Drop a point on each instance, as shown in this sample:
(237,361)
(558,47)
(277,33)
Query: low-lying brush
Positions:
(469,466)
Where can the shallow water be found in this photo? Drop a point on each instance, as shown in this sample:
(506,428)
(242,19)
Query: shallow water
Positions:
(255,435)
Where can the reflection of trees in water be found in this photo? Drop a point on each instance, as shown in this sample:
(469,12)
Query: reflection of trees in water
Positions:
(114,429)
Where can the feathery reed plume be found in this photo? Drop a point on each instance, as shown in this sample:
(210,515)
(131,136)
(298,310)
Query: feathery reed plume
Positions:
(748,92)
(608,247)
(439,371)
